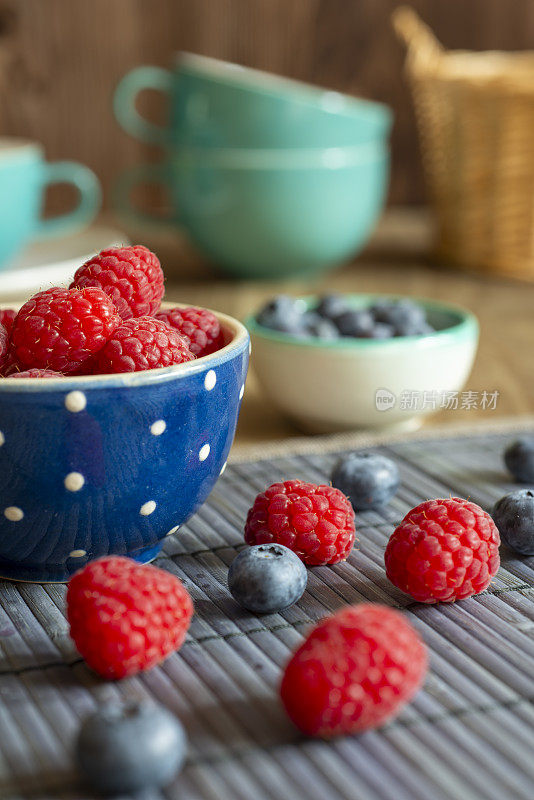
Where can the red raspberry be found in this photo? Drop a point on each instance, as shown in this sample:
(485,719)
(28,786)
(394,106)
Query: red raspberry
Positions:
(36,373)
(354,671)
(131,276)
(316,522)
(443,550)
(60,329)
(139,344)
(7,315)
(199,325)
(4,342)
(126,617)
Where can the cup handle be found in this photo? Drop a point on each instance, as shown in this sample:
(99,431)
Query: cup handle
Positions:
(125,96)
(90,197)
(142,173)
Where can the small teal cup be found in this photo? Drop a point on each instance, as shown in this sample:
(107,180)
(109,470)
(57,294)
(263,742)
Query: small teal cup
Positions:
(215,104)
(269,214)
(24,176)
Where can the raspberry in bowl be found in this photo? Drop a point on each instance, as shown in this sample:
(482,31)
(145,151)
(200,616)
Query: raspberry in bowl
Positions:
(342,362)
(99,464)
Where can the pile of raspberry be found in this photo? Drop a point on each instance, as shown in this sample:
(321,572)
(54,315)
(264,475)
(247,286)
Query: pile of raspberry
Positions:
(107,321)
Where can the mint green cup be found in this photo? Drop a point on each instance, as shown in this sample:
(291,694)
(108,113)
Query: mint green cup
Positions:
(269,214)
(24,176)
(215,104)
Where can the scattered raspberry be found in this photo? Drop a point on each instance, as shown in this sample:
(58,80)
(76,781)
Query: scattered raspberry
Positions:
(131,276)
(443,550)
(4,342)
(200,326)
(316,522)
(125,617)
(60,329)
(139,344)
(354,671)
(7,315)
(36,373)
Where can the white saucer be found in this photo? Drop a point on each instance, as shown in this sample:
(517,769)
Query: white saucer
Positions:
(52,262)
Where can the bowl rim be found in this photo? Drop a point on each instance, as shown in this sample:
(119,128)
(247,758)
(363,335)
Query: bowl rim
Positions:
(125,380)
(281,87)
(466,327)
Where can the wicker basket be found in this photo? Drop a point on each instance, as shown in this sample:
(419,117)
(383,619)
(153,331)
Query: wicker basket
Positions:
(475,113)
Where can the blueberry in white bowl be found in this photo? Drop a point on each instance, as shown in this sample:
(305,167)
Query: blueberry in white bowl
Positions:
(316,325)
(519,458)
(332,315)
(331,306)
(283,313)
(369,480)
(370,376)
(128,747)
(267,578)
(355,322)
(513,515)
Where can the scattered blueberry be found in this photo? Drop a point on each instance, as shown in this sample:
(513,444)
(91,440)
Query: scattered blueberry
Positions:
(127,747)
(332,306)
(519,458)
(369,480)
(284,314)
(356,322)
(267,578)
(319,327)
(513,515)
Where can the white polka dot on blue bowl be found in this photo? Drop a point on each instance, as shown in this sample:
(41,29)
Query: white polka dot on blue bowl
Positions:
(74,481)
(13,513)
(210,380)
(75,401)
(204,452)
(147,508)
(158,427)
(77,553)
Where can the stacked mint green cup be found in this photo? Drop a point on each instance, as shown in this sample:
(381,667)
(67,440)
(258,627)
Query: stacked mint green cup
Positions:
(269,177)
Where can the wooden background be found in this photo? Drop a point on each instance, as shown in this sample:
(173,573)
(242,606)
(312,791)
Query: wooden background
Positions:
(60,61)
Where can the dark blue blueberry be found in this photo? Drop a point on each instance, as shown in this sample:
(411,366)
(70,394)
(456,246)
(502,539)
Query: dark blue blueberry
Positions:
(267,578)
(331,306)
(356,322)
(319,327)
(519,458)
(283,313)
(400,313)
(381,330)
(411,329)
(381,310)
(369,480)
(127,747)
(513,515)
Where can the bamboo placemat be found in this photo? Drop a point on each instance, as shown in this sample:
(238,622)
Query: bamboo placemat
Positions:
(467,735)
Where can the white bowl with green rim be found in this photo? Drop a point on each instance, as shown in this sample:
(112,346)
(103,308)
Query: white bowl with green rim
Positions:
(326,386)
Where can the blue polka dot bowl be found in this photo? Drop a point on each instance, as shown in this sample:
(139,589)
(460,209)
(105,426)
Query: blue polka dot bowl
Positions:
(96,465)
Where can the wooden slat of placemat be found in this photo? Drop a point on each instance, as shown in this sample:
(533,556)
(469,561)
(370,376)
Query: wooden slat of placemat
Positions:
(465,735)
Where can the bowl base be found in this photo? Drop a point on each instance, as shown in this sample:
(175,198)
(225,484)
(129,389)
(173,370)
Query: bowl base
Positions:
(61,573)
(325,427)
